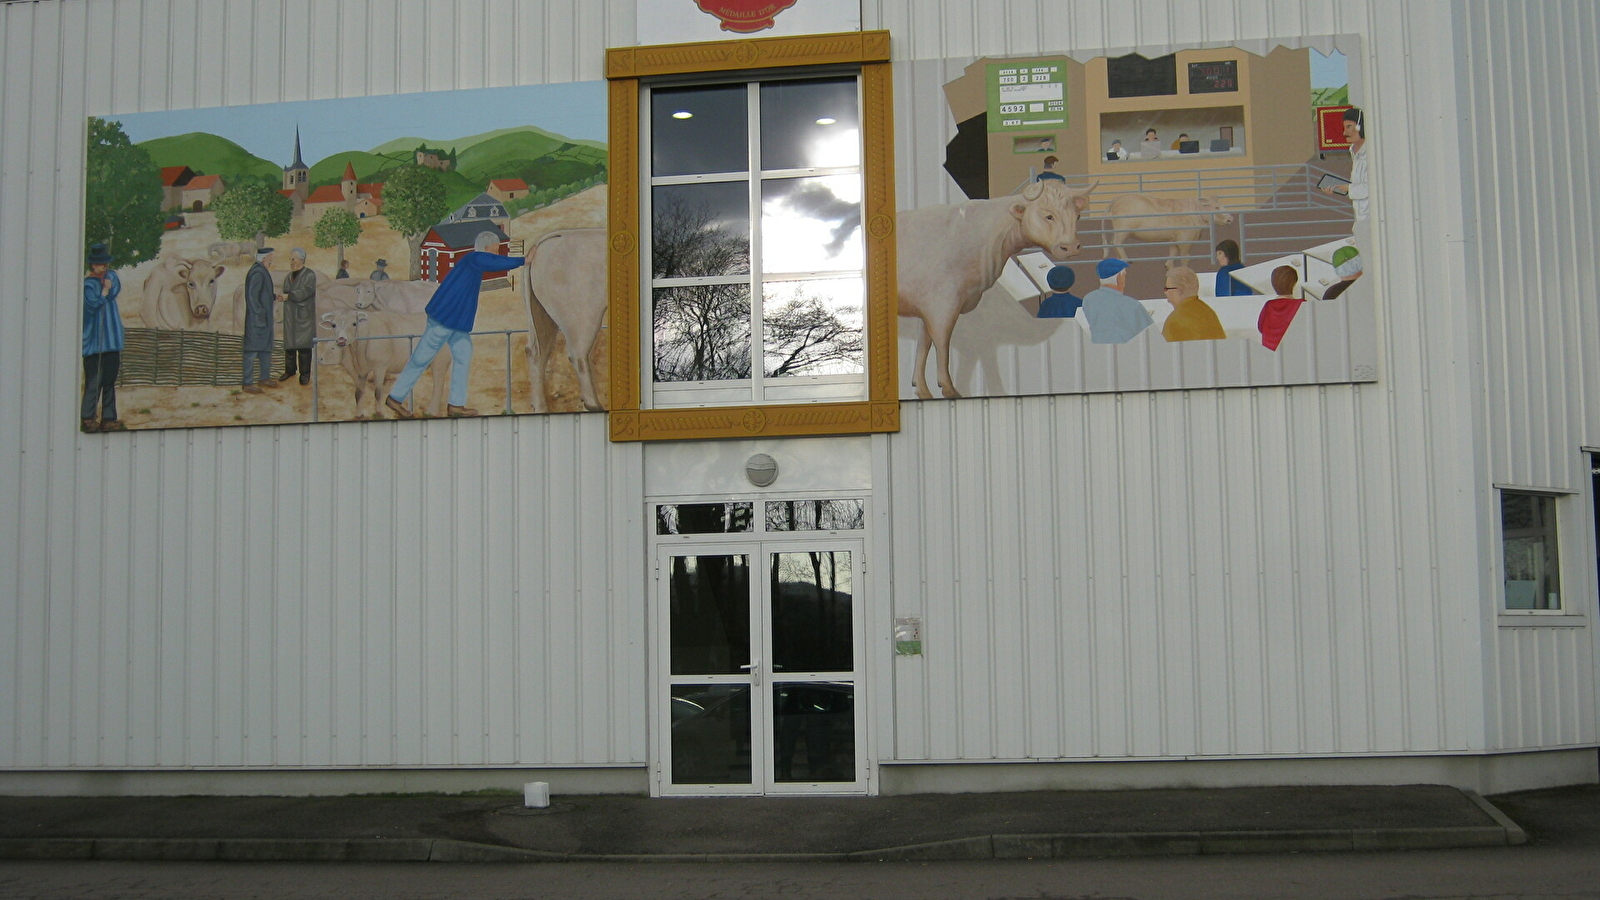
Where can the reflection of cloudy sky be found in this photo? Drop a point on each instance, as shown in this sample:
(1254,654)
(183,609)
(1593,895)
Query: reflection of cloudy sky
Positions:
(811,224)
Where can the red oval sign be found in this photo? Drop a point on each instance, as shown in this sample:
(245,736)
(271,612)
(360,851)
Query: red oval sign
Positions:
(744,16)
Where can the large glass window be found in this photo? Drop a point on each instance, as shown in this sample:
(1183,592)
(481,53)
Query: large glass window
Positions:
(1528,535)
(757,259)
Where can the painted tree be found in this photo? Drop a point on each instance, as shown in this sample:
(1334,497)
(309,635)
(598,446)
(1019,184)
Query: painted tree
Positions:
(336,228)
(413,201)
(252,212)
(122,203)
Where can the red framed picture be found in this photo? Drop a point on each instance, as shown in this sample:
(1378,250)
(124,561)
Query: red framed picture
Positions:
(1330,128)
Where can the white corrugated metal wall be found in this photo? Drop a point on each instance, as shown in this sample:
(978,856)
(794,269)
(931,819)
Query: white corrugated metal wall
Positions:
(1208,573)
(435,594)
(1533,204)
(1213,573)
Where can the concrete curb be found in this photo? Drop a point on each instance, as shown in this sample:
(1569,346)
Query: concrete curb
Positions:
(999,846)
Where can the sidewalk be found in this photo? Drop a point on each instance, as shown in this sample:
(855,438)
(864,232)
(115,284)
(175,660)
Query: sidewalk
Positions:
(1041,824)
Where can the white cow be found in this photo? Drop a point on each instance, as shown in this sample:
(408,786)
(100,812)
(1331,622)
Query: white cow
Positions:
(222,251)
(394,296)
(180,293)
(564,287)
(1154,220)
(949,255)
(362,342)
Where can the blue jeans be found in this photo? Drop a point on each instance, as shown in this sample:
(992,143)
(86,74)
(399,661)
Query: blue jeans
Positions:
(434,337)
(257,366)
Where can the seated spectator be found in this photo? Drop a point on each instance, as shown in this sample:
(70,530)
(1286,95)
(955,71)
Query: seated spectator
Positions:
(1117,150)
(1277,314)
(1178,144)
(1113,316)
(1347,263)
(1151,147)
(1060,305)
(1191,319)
(1228,259)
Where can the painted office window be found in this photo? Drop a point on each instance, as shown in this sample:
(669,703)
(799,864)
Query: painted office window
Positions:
(1528,536)
(756,253)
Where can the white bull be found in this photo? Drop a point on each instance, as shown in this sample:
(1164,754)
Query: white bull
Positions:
(363,342)
(180,293)
(564,287)
(394,296)
(949,255)
(1155,220)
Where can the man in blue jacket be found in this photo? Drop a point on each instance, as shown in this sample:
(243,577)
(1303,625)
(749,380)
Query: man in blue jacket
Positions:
(451,314)
(102,343)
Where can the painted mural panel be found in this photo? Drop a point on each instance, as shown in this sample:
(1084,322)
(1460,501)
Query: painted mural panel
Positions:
(385,257)
(1191,218)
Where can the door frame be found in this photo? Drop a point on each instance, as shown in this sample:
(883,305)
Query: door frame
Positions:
(758,543)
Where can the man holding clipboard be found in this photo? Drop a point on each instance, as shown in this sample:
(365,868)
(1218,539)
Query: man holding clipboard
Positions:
(1355,132)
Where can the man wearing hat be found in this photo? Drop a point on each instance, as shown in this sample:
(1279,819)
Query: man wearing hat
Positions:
(102,343)
(258,299)
(380,273)
(299,317)
(1113,317)
(1060,305)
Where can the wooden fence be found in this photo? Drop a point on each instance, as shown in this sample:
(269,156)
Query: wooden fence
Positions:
(170,357)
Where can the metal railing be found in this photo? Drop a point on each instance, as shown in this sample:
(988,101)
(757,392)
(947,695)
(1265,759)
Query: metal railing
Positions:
(381,390)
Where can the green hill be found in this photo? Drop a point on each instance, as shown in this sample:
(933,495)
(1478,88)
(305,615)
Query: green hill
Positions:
(1331,96)
(463,144)
(210,155)
(368,167)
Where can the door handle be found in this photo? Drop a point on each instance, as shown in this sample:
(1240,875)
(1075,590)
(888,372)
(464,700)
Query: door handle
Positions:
(754,668)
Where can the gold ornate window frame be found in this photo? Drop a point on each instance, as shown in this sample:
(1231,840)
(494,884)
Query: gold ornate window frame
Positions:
(626,67)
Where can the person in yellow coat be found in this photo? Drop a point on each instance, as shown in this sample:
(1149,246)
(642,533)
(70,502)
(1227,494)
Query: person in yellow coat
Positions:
(1191,319)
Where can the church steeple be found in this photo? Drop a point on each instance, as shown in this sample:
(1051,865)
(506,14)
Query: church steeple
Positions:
(297,174)
(298,162)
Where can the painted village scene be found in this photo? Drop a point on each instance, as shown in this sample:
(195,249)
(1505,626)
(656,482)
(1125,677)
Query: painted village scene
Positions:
(1175,221)
(379,200)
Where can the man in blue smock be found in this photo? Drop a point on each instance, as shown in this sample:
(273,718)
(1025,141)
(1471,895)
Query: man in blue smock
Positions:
(1061,304)
(102,343)
(451,314)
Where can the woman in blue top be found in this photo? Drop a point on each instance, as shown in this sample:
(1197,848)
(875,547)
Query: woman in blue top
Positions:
(102,343)
(1228,259)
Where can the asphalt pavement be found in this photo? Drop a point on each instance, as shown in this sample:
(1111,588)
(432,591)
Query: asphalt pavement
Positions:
(1037,824)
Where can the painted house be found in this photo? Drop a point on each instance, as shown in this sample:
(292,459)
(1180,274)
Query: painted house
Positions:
(1371,559)
(173,180)
(361,199)
(200,191)
(507,189)
(482,208)
(449,241)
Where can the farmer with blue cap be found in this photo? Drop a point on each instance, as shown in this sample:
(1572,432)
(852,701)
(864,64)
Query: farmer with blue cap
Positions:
(1113,316)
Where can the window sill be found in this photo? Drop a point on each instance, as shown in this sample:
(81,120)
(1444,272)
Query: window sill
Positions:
(1540,618)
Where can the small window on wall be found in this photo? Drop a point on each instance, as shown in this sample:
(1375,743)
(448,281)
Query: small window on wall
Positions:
(1530,551)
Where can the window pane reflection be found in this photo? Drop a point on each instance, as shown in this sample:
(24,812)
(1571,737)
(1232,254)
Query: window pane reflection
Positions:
(699,143)
(702,332)
(816,515)
(709,614)
(810,124)
(811,224)
(1528,531)
(705,518)
(813,327)
(812,628)
(711,734)
(814,730)
(700,230)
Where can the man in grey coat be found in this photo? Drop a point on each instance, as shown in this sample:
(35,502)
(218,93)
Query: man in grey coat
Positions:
(299,317)
(258,298)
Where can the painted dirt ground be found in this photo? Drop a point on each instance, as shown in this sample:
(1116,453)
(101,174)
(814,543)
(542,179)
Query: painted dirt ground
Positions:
(147,406)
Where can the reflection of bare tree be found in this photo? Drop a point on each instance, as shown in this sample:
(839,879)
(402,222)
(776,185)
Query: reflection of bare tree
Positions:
(804,335)
(816,515)
(702,331)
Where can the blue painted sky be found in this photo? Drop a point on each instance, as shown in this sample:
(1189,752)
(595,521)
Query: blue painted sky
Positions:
(1329,71)
(575,110)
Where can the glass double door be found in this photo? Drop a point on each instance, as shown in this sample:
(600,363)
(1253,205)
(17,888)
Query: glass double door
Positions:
(762,651)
